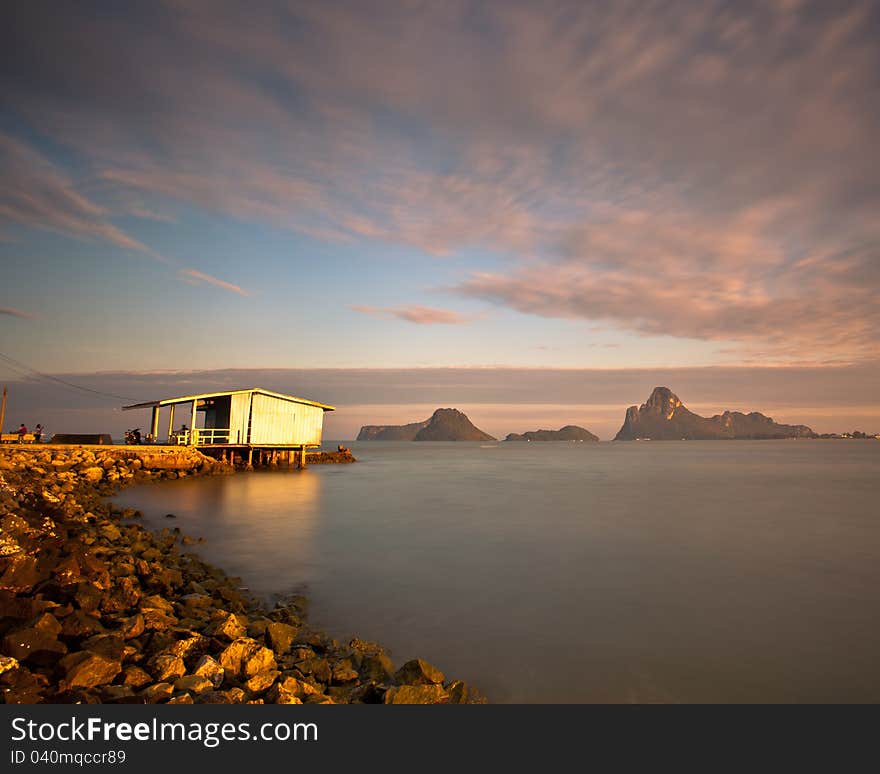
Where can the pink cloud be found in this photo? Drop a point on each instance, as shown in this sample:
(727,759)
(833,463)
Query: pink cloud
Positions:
(38,195)
(16,313)
(420,315)
(195,277)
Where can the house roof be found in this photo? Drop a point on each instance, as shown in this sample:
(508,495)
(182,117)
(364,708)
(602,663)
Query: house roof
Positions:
(201,395)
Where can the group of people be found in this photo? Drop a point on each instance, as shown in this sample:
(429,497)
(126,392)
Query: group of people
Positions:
(38,433)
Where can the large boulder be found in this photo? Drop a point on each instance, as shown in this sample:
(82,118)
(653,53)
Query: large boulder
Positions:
(34,646)
(246,657)
(418,672)
(416,694)
(93,475)
(86,669)
(280,636)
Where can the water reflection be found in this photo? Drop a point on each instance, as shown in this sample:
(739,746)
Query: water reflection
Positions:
(261,527)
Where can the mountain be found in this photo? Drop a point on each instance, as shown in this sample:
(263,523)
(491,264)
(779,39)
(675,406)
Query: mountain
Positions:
(445,424)
(391,432)
(567,433)
(663,417)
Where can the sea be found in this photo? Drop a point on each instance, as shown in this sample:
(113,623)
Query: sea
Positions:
(637,572)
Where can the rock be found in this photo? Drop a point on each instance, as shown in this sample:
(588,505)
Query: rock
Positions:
(301,654)
(319,668)
(123,596)
(48,624)
(462,693)
(377,668)
(20,608)
(156,602)
(109,645)
(135,677)
(23,687)
(189,646)
(416,694)
(34,646)
(111,532)
(7,664)
(280,636)
(297,687)
(184,698)
(116,694)
(80,624)
(167,667)
(133,626)
(279,695)
(340,694)
(229,627)
(191,604)
(246,657)
(194,684)
(157,692)
(21,574)
(261,681)
(418,672)
(85,669)
(156,620)
(88,597)
(344,672)
(213,697)
(319,698)
(366,647)
(210,669)
(92,475)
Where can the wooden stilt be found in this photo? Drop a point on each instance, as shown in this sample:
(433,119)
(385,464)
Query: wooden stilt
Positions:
(154,424)
(250,462)
(171,423)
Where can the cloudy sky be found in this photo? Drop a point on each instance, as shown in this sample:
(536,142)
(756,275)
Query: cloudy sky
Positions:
(625,187)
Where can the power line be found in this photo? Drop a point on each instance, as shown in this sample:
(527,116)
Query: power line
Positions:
(27,370)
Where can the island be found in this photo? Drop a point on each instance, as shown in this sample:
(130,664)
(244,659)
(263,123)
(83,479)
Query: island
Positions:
(445,424)
(663,417)
(567,433)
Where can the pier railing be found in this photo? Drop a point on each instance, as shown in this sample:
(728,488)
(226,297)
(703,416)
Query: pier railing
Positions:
(208,436)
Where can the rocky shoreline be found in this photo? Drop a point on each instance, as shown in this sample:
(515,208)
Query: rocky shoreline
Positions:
(94,608)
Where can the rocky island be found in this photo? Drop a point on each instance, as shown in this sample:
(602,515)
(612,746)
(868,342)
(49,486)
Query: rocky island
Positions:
(445,424)
(663,417)
(567,433)
(94,608)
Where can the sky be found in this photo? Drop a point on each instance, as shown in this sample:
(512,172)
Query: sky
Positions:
(529,194)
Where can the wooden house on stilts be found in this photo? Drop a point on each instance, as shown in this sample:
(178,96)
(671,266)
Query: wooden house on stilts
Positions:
(244,423)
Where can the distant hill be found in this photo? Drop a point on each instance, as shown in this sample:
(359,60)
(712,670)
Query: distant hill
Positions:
(391,432)
(567,433)
(445,424)
(663,417)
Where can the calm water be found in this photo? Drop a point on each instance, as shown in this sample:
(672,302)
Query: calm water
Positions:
(673,572)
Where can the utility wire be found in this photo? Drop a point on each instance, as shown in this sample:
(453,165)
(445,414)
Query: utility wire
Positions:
(26,369)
